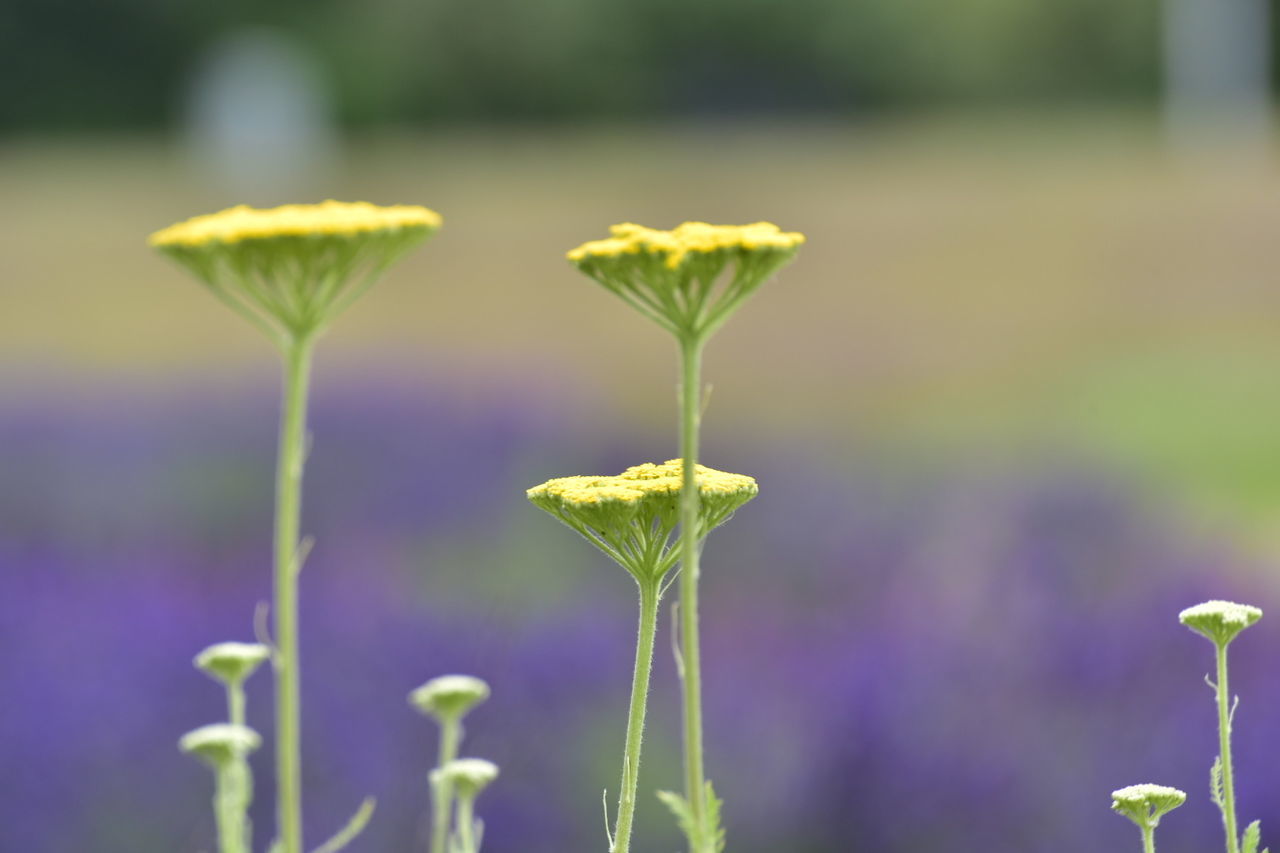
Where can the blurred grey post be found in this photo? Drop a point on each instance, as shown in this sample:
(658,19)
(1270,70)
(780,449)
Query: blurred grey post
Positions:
(259,124)
(1217,56)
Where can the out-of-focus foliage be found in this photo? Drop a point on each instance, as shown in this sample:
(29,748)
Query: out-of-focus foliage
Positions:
(121,63)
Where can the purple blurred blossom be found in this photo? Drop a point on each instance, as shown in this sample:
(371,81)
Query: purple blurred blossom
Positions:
(965,662)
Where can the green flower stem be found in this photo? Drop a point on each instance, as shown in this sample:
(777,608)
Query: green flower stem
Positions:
(292,456)
(691,669)
(441,790)
(466,821)
(649,597)
(235,703)
(1148,839)
(1224,751)
(231,804)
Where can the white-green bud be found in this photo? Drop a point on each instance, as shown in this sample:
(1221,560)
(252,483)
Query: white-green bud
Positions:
(1145,804)
(220,743)
(232,663)
(468,776)
(1220,621)
(449,697)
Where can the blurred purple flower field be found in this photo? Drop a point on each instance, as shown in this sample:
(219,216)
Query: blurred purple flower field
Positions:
(966,661)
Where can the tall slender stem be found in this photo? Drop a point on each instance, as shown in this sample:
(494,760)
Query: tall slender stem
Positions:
(690,420)
(441,790)
(1148,839)
(289,465)
(649,595)
(234,786)
(1224,752)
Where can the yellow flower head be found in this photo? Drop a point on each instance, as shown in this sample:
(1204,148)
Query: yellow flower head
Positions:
(292,269)
(632,516)
(688,279)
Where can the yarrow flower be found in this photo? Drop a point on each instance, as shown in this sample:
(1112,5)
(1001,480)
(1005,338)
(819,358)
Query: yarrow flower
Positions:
(292,269)
(632,516)
(449,697)
(674,277)
(1219,621)
(1145,804)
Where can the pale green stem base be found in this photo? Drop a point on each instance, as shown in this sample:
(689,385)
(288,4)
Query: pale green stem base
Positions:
(649,597)
(1148,839)
(231,805)
(691,669)
(292,456)
(1224,752)
(441,790)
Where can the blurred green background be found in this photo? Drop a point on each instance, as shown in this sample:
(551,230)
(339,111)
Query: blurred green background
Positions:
(1015,239)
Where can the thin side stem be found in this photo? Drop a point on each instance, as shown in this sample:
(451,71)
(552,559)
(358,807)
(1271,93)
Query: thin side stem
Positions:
(442,791)
(648,630)
(1148,839)
(466,820)
(235,703)
(292,453)
(1224,751)
(690,420)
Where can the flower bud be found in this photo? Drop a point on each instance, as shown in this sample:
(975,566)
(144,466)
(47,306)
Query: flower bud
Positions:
(220,743)
(1145,804)
(1220,621)
(468,776)
(232,663)
(449,697)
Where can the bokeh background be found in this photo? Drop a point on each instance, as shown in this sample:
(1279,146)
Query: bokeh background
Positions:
(1014,405)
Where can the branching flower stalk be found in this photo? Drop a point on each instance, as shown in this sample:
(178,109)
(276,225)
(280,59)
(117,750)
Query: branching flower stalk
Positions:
(446,699)
(290,271)
(1220,622)
(632,518)
(1145,805)
(689,281)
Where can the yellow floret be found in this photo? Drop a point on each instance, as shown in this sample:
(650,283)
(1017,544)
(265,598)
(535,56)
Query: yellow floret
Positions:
(689,237)
(329,218)
(639,481)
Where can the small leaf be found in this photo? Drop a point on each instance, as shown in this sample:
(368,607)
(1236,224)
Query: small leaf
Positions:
(684,817)
(1215,782)
(1252,837)
(712,830)
(353,828)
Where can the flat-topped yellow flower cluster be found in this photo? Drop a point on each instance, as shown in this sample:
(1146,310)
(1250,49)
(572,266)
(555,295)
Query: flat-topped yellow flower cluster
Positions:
(329,218)
(686,239)
(641,481)
(632,516)
(291,270)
